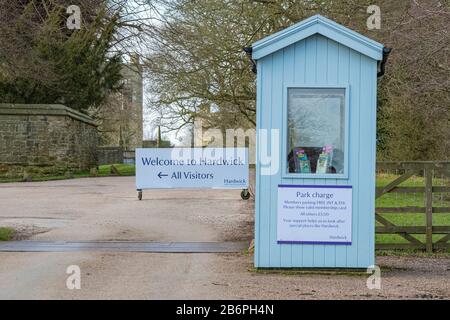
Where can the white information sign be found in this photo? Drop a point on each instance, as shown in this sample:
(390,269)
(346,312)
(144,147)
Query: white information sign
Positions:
(314,214)
(216,168)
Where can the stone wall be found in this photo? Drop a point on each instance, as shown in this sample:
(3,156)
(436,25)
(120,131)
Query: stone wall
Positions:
(109,155)
(45,139)
(129,156)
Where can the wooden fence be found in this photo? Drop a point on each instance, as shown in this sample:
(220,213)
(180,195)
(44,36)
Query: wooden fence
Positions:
(412,183)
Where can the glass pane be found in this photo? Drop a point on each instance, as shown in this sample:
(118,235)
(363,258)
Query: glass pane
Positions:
(316,130)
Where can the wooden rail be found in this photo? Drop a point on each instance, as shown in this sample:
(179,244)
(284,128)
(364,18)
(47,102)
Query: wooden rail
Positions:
(405,171)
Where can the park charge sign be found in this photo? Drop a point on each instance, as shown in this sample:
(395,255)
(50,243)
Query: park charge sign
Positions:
(204,168)
(314,214)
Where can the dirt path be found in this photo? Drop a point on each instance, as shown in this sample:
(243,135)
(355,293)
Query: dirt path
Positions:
(107,209)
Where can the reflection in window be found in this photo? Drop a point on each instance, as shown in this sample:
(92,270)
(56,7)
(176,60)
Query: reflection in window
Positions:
(316,130)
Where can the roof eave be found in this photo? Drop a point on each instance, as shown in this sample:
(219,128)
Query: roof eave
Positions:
(317,25)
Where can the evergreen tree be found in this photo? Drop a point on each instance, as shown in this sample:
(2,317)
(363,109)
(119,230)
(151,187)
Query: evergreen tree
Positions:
(48,63)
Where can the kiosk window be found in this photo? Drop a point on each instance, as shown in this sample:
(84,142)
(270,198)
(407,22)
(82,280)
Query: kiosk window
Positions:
(316,130)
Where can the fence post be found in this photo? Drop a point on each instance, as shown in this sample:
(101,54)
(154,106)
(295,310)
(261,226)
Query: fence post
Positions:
(428,173)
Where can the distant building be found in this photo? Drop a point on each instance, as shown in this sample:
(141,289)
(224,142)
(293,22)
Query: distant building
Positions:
(158,143)
(121,118)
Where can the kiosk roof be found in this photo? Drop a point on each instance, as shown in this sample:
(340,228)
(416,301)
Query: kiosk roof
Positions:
(317,24)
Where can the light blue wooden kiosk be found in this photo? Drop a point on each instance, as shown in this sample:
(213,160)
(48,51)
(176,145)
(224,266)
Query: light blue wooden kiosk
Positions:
(316,87)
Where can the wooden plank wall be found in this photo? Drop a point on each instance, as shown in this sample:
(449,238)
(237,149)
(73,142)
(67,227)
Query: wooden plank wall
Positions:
(318,60)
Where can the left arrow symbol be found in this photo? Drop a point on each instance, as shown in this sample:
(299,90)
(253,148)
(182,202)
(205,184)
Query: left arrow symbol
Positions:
(160,175)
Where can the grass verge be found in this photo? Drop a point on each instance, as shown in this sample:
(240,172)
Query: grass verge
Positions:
(6,234)
(103,171)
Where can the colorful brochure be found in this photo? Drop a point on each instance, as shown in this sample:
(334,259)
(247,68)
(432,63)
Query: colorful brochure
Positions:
(324,161)
(302,164)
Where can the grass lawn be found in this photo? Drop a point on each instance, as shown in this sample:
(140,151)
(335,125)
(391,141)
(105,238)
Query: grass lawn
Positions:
(411,200)
(124,170)
(103,171)
(6,234)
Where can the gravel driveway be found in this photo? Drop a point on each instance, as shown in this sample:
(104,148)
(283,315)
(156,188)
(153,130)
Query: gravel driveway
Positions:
(107,209)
